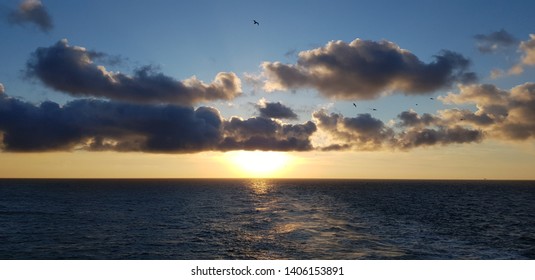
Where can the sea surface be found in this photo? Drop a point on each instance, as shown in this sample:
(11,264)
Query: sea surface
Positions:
(266,219)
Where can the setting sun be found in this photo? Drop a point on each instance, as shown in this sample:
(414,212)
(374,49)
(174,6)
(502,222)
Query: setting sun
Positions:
(258,163)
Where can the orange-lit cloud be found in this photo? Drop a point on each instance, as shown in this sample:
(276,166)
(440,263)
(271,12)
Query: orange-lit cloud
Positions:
(527,49)
(511,112)
(528,56)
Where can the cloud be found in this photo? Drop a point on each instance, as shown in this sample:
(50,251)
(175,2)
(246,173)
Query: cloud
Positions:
(260,133)
(495,41)
(505,114)
(409,131)
(445,128)
(96,125)
(362,132)
(32,11)
(412,119)
(275,110)
(71,69)
(2,89)
(527,48)
(365,70)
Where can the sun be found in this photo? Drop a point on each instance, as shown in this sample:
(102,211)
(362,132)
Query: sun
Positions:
(259,164)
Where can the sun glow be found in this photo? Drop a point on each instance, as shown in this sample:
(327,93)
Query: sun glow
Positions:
(260,164)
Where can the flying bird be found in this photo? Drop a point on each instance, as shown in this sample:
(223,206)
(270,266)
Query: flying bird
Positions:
(431,98)
(256,22)
(373,109)
(355,105)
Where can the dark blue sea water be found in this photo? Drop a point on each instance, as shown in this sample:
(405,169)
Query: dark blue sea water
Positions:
(266,219)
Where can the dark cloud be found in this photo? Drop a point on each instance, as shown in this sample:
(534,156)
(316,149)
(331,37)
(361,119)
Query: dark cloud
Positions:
(32,11)
(365,70)
(275,110)
(495,41)
(267,134)
(416,137)
(87,124)
(71,69)
(109,125)
(412,119)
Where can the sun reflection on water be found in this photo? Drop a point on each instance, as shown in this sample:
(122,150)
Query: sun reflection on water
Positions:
(260,186)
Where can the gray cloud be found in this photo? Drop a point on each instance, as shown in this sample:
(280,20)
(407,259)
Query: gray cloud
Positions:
(440,135)
(71,69)
(365,70)
(267,134)
(495,41)
(32,11)
(275,110)
(451,126)
(412,119)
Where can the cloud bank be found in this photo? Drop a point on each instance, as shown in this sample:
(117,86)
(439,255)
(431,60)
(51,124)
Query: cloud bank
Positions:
(365,70)
(71,69)
(32,12)
(90,124)
(411,130)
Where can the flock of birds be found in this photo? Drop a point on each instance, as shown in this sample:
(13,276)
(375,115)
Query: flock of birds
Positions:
(375,109)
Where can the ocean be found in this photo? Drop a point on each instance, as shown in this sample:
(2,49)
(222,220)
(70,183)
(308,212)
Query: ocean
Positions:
(266,219)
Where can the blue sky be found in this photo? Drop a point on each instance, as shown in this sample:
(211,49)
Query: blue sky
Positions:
(181,39)
(202,38)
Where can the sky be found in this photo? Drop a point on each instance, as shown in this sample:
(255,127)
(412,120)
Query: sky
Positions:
(317,89)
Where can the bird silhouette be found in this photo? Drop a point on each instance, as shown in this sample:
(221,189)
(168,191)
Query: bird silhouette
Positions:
(355,105)
(256,22)
(431,98)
